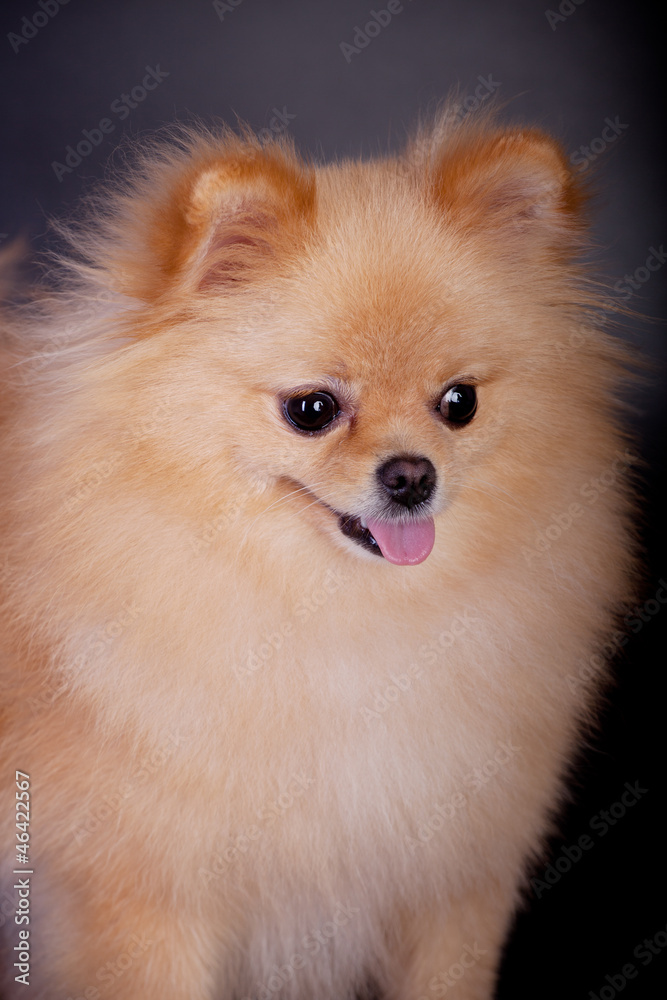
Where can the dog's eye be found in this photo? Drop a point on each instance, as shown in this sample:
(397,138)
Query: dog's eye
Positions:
(311,412)
(459,404)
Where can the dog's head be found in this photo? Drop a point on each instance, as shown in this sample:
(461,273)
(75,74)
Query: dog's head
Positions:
(360,343)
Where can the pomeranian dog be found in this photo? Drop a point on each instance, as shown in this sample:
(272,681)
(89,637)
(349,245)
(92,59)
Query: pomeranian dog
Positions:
(314,501)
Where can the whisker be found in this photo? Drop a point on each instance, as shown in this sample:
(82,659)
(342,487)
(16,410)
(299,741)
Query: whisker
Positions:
(304,490)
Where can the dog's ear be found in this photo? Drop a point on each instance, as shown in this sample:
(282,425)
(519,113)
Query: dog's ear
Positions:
(217,218)
(247,213)
(515,186)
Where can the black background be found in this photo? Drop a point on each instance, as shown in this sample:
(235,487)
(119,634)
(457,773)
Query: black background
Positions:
(595,60)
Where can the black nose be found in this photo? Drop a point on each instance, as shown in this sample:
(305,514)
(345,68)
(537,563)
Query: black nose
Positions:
(408,481)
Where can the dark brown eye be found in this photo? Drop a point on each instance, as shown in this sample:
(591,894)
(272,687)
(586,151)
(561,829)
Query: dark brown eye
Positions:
(312,412)
(459,404)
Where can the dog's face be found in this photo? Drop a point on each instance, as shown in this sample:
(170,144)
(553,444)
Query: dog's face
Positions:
(369,389)
(375,329)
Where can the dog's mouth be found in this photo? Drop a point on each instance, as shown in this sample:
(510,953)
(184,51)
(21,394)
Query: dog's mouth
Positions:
(404,543)
(354,528)
(404,539)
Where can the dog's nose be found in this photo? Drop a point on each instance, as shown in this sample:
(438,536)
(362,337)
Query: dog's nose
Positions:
(408,480)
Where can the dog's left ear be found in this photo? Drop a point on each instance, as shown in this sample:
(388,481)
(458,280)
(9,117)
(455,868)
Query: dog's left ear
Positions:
(515,186)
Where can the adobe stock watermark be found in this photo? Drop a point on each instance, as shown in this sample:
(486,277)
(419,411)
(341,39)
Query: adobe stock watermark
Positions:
(277,124)
(90,481)
(587,334)
(107,634)
(364,35)
(473,783)
(634,622)
(241,843)
(565,9)
(440,985)
(260,655)
(600,825)
(388,695)
(644,952)
(8,910)
(432,650)
(111,803)
(471,102)
(630,283)
(31,25)
(429,653)
(66,338)
(221,8)
(590,491)
(121,107)
(311,944)
(225,515)
(624,288)
(135,947)
(582,157)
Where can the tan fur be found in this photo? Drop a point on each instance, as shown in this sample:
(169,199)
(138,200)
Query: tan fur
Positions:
(238,724)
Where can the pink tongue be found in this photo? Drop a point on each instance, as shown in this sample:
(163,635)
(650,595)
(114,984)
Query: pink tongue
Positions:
(404,544)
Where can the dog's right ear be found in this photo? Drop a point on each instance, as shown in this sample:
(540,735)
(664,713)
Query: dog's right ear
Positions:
(222,219)
(246,213)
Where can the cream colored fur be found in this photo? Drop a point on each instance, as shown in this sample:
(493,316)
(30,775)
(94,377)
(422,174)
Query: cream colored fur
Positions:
(243,730)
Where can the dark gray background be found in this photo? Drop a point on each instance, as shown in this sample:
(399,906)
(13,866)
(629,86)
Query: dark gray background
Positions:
(600,61)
